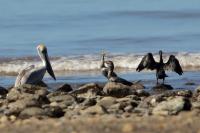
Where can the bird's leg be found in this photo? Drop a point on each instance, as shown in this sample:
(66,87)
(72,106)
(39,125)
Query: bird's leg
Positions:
(157,81)
(157,77)
(163,81)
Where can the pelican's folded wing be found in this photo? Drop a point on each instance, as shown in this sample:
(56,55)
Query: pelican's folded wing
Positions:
(22,73)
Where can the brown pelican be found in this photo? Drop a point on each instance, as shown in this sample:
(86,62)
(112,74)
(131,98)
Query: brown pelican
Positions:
(107,69)
(172,64)
(33,75)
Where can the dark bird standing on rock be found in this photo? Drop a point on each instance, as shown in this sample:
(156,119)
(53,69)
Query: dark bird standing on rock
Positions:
(107,69)
(172,64)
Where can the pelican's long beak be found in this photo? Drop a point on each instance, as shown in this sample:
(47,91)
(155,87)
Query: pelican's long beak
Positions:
(49,67)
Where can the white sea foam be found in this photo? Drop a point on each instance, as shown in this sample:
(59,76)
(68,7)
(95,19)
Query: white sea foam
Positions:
(11,66)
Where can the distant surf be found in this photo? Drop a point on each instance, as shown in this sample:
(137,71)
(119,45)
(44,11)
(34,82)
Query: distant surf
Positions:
(84,63)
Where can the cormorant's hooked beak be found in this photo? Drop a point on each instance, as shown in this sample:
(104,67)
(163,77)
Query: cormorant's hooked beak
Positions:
(49,67)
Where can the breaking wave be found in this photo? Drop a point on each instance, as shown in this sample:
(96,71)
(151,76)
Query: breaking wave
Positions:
(11,66)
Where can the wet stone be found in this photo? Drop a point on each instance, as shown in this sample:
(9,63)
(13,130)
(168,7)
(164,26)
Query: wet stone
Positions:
(93,87)
(137,86)
(64,88)
(190,83)
(162,87)
(3,91)
(118,90)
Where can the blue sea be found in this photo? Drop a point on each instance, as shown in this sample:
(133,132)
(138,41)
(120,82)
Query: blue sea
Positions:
(77,31)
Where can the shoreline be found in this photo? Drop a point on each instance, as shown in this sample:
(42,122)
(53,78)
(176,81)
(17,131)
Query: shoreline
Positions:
(147,78)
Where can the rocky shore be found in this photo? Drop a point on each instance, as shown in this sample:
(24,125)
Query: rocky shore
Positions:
(111,108)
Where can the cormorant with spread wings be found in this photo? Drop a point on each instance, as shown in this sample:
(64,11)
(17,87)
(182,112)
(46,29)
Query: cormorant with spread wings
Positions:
(172,64)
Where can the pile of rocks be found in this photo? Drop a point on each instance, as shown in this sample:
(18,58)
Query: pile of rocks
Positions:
(113,99)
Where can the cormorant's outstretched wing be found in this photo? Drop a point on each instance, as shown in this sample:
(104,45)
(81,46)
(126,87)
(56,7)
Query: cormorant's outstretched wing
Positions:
(147,62)
(173,65)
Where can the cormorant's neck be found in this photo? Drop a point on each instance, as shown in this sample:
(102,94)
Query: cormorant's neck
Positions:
(110,74)
(102,61)
(161,59)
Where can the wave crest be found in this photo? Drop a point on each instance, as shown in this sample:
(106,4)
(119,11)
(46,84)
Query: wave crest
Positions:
(11,66)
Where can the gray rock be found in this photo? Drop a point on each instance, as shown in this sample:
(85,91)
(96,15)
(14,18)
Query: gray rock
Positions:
(94,110)
(106,102)
(197,90)
(32,111)
(190,83)
(134,97)
(124,99)
(54,111)
(196,95)
(156,99)
(3,91)
(120,105)
(137,86)
(127,102)
(118,89)
(115,109)
(142,93)
(142,111)
(64,88)
(14,108)
(184,93)
(144,103)
(89,102)
(129,108)
(93,87)
(26,91)
(162,87)
(62,99)
(88,95)
(172,106)
(25,96)
(196,105)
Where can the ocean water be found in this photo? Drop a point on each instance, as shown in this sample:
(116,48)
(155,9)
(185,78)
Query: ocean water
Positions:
(76,31)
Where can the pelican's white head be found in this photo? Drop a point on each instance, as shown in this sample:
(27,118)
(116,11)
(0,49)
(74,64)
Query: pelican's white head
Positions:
(42,51)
